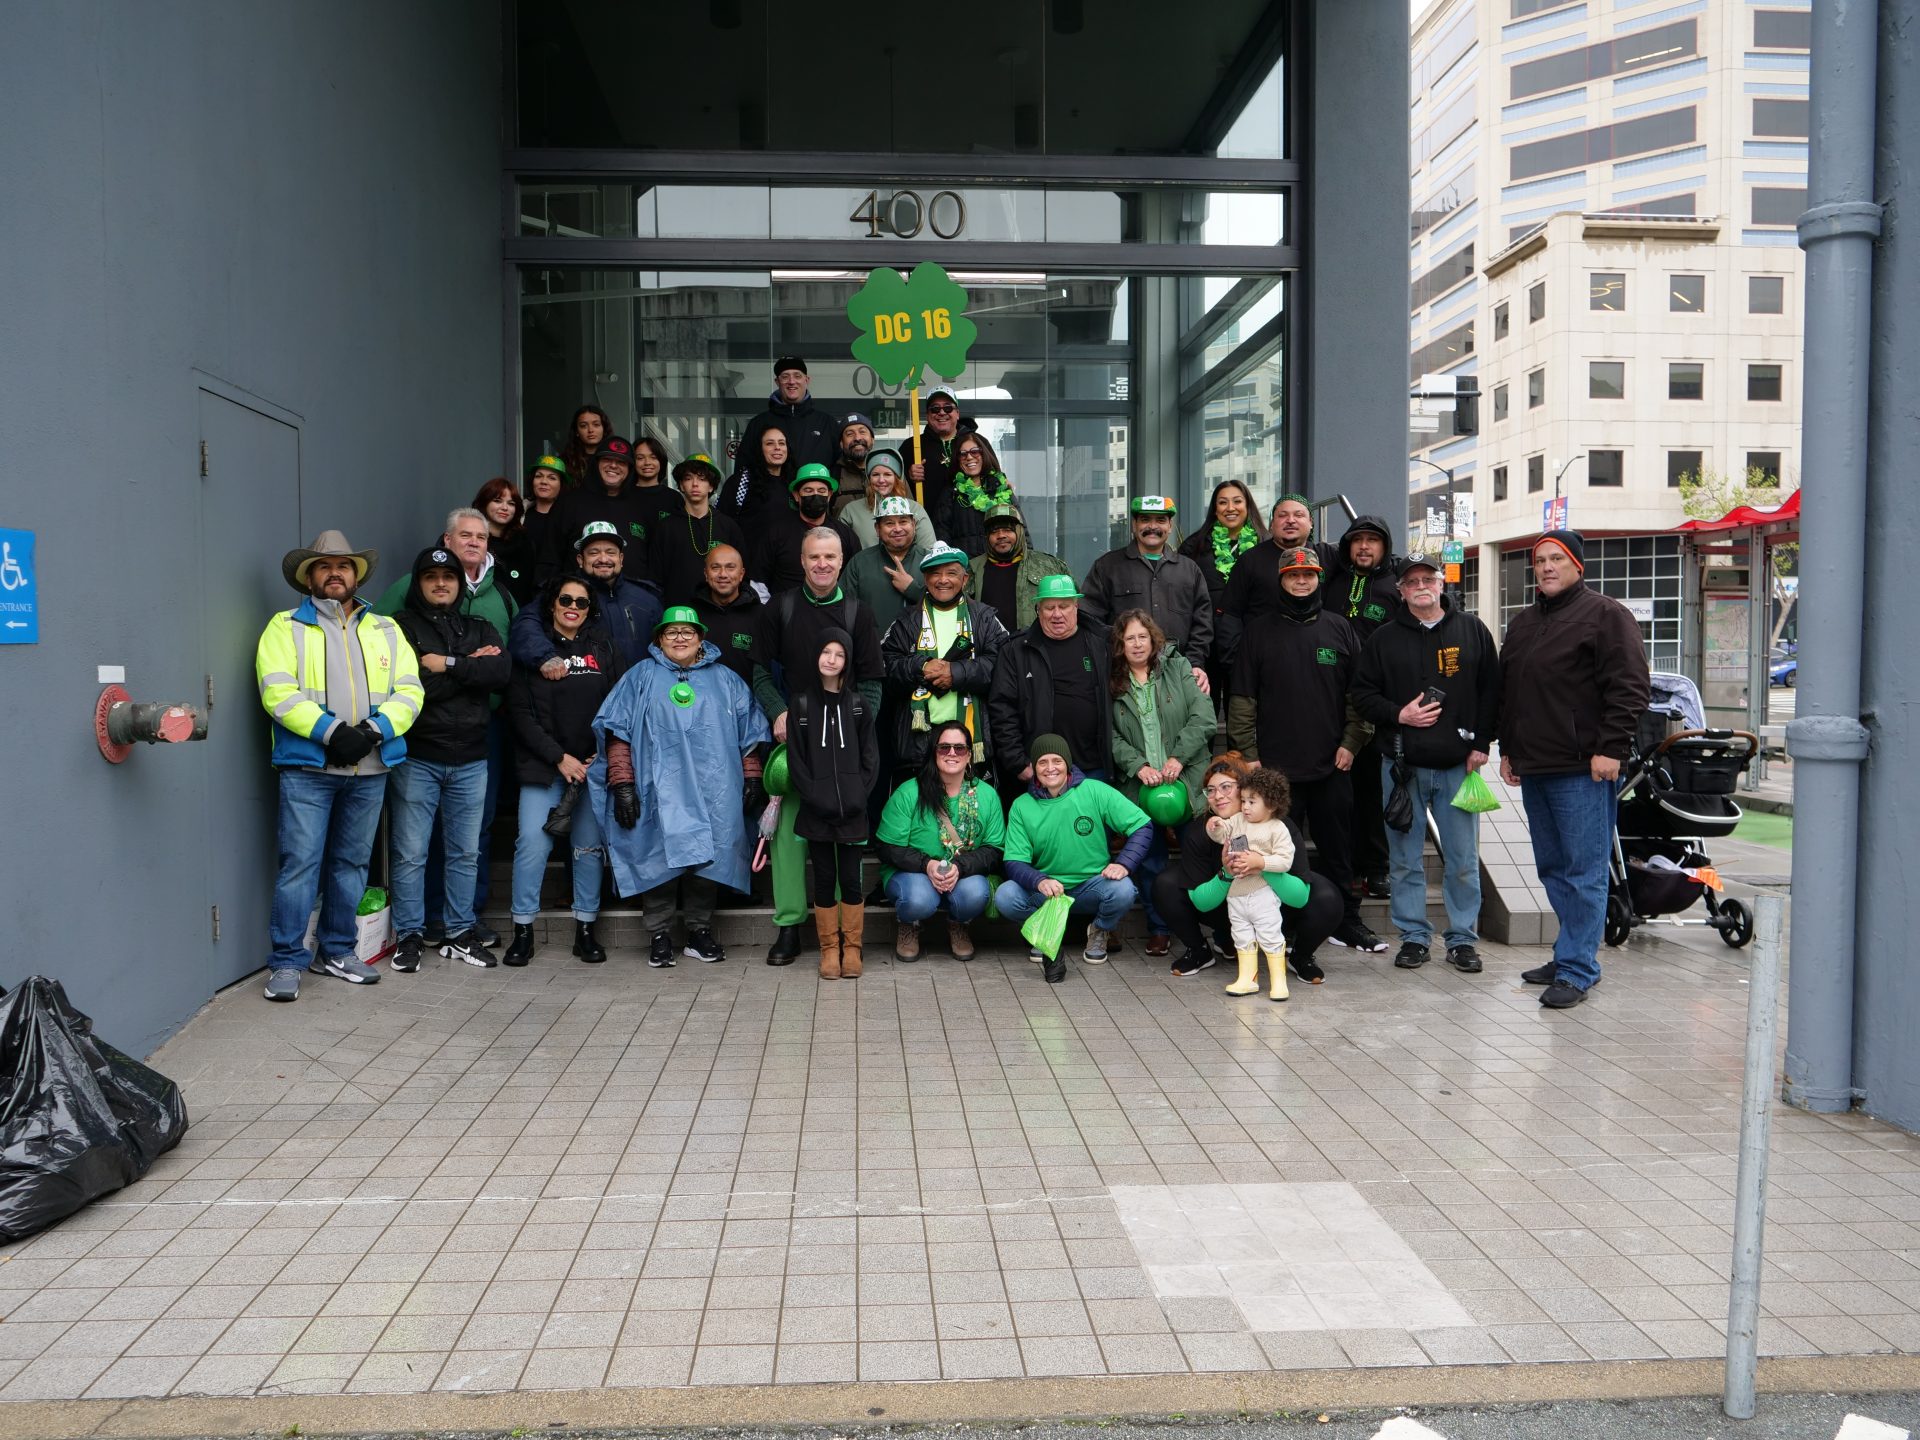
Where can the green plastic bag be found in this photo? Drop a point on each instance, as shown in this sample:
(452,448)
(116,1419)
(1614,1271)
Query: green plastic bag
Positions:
(1474,795)
(1287,887)
(373,902)
(1047,926)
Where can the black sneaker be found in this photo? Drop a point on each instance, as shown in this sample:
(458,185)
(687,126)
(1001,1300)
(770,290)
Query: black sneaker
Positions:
(1305,966)
(1193,962)
(1464,958)
(1540,974)
(1379,887)
(485,934)
(1561,997)
(702,946)
(1412,956)
(1354,935)
(660,952)
(466,948)
(406,955)
(1056,970)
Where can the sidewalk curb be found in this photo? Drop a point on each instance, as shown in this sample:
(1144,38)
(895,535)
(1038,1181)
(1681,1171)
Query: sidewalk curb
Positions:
(923,1402)
(1767,803)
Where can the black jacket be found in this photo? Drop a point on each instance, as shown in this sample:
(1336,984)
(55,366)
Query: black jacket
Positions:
(777,537)
(677,552)
(1403,658)
(516,562)
(552,718)
(1364,598)
(1020,700)
(813,437)
(833,758)
(624,612)
(733,629)
(627,512)
(1289,706)
(1573,682)
(1172,590)
(1253,591)
(972,675)
(937,488)
(792,628)
(452,728)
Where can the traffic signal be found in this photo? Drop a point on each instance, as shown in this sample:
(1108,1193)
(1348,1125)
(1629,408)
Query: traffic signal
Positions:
(1466,405)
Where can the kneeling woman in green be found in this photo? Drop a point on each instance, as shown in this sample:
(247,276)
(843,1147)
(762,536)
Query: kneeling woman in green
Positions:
(939,837)
(833,756)
(1057,845)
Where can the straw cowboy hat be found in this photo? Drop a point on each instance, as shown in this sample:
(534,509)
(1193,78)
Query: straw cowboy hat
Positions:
(331,545)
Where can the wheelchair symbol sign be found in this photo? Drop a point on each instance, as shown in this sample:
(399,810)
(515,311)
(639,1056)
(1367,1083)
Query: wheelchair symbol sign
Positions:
(19,593)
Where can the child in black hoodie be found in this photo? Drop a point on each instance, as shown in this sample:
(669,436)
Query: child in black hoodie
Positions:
(833,758)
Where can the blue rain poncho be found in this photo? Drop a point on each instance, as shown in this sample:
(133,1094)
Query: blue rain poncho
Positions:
(688,729)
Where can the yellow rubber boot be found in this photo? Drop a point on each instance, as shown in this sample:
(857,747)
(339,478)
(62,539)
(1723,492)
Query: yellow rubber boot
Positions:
(1248,981)
(1277,973)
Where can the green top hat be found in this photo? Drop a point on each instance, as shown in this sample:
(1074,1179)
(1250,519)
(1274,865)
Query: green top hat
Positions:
(679,615)
(1058,587)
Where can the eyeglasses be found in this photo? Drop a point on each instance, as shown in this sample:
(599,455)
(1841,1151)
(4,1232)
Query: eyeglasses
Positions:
(948,747)
(942,409)
(573,602)
(1225,787)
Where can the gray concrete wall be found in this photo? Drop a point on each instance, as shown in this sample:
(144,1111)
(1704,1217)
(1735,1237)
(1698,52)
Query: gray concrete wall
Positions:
(300,199)
(1355,262)
(1887,994)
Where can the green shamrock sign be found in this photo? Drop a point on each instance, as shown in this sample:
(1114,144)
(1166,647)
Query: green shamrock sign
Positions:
(907,323)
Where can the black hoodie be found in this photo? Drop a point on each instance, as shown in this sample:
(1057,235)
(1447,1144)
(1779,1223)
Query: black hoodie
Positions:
(1289,705)
(813,437)
(452,728)
(1365,598)
(1404,657)
(833,753)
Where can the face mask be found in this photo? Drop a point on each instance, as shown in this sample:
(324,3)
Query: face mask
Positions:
(814,506)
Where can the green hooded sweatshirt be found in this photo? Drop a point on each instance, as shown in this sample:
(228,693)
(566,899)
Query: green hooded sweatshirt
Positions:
(1065,836)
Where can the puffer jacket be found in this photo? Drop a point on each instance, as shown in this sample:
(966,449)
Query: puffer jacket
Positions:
(623,610)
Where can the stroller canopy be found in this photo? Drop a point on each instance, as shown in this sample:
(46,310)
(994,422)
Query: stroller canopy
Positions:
(1678,698)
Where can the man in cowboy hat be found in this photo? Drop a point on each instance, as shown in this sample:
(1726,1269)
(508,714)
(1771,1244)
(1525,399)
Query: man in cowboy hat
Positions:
(341,686)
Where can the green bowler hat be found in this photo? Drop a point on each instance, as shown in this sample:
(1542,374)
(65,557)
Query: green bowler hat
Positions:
(1058,587)
(1154,505)
(815,471)
(680,615)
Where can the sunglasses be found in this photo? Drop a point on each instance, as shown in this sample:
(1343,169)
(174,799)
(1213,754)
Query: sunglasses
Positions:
(573,602)
(971,455)
(942,409)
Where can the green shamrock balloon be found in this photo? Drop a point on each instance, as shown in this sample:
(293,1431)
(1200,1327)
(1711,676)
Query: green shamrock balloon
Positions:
(907,323)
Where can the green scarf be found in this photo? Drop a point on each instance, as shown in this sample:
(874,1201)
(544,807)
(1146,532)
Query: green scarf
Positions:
(969,491)
(961,833)
(922,697)
(1226,550)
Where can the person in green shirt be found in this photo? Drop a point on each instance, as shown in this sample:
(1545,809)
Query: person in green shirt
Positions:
(1057,845)
(939,837)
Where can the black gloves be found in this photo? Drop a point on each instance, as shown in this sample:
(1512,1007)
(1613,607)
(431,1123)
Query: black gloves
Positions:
(350,744)
(626,804)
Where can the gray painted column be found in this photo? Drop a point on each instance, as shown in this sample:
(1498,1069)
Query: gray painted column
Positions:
(1354,271)
(1887,1000)
(1826,739)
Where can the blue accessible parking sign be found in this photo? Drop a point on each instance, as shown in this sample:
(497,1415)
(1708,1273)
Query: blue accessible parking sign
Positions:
(19,593)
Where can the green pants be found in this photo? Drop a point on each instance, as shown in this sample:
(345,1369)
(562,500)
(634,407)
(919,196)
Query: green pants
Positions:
(787,858)
(1287,887)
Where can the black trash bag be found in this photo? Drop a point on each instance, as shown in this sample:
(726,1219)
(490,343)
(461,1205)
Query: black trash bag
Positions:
(78,1119)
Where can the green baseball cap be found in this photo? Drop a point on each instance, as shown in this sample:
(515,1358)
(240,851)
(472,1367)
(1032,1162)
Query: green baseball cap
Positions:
(680,615)
(1058,587)
(549,462)
(815,471)
(1154,505)
(945,554)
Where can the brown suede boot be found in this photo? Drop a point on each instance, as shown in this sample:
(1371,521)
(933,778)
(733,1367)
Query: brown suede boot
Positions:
(853,929)
(826,923)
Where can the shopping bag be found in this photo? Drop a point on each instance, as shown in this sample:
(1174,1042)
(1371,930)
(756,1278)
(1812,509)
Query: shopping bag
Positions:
(1047,926)
(78,1119)
(1474,796)
(373,927)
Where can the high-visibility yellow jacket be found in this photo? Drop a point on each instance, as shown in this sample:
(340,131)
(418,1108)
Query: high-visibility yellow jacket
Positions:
(316,673)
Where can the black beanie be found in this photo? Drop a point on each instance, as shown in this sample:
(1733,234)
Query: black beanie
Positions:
(1569,541)
(789,362)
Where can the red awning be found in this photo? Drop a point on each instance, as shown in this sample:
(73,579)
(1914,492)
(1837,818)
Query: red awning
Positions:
(1742,516)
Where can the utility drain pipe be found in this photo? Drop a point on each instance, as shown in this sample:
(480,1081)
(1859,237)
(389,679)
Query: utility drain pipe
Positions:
(1826,739)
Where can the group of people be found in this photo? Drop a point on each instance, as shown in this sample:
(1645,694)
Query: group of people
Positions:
(654,650)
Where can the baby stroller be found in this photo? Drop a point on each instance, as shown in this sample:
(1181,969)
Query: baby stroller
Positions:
(1676,793)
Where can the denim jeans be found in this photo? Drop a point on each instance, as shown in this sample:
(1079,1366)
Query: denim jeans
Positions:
(422,792)
(532,846)
(1571,820)
(915,899)
(327,828)
(1433,792)
(496,762)
(1107,900)
(1149,871)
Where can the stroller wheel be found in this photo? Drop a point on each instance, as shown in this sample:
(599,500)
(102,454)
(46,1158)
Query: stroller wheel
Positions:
(1619,920)
(1735,922)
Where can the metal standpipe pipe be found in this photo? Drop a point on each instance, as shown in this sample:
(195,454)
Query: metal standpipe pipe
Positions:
(1827,740)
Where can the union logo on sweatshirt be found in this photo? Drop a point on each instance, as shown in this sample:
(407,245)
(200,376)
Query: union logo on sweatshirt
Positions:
(1327,655)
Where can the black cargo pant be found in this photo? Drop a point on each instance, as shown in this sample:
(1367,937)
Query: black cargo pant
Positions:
(1369,815)
(1324,808)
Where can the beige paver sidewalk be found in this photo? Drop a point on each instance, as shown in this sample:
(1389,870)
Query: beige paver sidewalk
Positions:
(573,1176)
